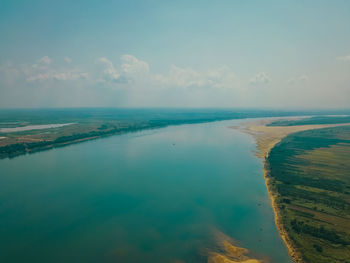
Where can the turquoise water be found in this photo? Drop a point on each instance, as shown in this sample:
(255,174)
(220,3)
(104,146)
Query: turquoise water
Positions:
(152,196)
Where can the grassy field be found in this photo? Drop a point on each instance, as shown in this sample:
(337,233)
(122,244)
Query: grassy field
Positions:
(310,172)
(319,120)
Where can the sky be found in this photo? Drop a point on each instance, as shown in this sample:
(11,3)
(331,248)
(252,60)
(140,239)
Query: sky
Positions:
(147,53)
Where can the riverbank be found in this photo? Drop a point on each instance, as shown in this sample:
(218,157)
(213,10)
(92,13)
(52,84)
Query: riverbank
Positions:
(19,143)
(292,251)
(266,138)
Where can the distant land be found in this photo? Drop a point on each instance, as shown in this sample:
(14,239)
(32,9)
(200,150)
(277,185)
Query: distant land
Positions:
(92,123)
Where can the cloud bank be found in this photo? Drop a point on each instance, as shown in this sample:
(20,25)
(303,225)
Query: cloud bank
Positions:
(130,82)
(260,78)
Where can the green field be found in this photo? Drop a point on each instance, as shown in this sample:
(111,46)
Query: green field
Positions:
(312,121)
(310,172)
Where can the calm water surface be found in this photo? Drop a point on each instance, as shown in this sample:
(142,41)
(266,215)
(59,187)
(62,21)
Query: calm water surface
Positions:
(153,196)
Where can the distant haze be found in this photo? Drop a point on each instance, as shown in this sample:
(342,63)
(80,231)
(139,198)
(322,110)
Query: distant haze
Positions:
(276,54)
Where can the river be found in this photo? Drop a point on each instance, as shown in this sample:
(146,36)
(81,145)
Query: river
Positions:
(151,196)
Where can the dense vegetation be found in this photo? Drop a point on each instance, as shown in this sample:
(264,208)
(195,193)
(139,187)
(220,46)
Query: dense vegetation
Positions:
(94,123)
(312,121)
(310,172)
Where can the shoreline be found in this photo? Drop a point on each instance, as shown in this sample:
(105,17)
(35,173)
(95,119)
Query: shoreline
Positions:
(292,251)
(19,148)
(266,137)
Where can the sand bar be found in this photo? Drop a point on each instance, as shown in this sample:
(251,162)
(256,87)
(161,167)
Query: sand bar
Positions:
(34,127)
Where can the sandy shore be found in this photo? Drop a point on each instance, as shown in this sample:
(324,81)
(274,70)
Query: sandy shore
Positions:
(266,138)
(227,252)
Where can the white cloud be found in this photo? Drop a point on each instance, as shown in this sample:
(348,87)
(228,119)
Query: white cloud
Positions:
(131,72)
(260,78)
(137,74)
(42,64)
(62,75)
(181,77)
(42,70)
(109,73)
(45,60)
(221,77)
(344,58)
(133,66)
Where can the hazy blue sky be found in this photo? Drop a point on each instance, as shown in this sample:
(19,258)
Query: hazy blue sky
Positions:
(175,53)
